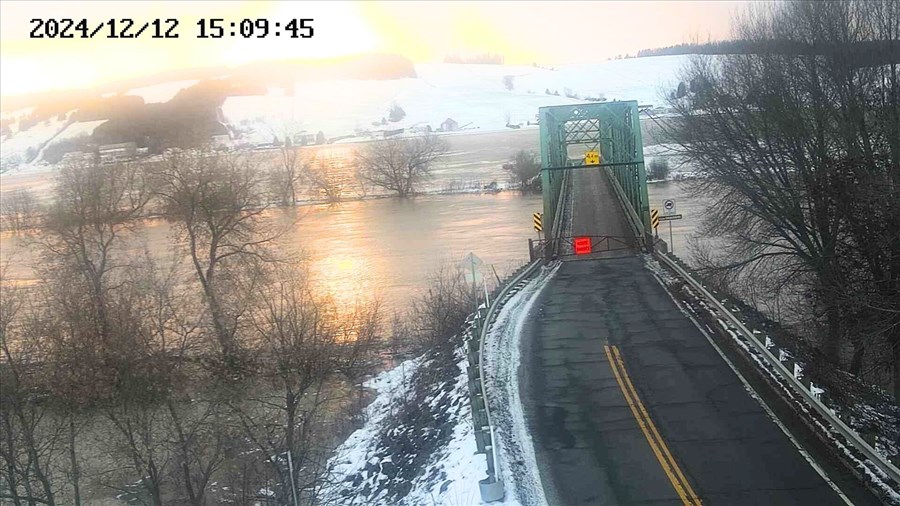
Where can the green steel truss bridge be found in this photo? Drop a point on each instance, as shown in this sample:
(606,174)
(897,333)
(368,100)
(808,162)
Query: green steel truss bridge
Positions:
(613,129)
(628,399)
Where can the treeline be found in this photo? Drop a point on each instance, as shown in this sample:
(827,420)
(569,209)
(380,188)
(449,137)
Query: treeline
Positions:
(125,372)
(801,148)
(483,58)
(188,119)
(862,53)
(715,47)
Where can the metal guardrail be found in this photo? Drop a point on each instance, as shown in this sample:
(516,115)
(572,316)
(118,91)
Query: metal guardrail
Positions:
(637,226)
(492,487)
(851,436)
(811,399)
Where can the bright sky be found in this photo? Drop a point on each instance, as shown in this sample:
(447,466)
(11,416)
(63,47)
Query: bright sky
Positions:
(524,32)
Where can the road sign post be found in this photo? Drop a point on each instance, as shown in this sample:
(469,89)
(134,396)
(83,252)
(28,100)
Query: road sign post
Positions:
(474,262)
(670,217)
(671,241)
(669,207)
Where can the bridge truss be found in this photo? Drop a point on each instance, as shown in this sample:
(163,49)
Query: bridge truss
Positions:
(613,129)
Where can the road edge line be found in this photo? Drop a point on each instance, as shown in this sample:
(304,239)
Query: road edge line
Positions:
(759,399)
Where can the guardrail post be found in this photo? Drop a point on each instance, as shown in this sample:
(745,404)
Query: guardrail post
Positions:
(491,488)
(785,367)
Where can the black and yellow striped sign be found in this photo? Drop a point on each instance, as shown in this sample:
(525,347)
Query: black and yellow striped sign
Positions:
(538,222)
(654,218)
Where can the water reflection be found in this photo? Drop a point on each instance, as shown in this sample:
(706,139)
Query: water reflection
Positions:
(388,247)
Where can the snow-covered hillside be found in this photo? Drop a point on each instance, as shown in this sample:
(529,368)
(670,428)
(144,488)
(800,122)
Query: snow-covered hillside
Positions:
(20,146)
(472,95)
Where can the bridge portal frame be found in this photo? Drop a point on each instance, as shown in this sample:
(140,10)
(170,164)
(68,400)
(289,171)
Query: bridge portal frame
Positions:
(612,127)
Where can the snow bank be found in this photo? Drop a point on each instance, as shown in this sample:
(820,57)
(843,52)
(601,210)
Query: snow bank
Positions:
(518,466)
(451,474)
(352,456)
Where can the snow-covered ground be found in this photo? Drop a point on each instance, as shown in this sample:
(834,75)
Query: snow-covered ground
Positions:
(452,474)
(359,464)
(516,460)
(679,166)
(17,147)
(472,95)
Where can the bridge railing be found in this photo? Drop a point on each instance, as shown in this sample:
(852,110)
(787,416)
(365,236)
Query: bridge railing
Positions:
(792,380)
(492,487)
(809,395)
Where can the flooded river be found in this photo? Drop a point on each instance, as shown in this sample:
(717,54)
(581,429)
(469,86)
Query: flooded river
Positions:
(689,207)
(387,247)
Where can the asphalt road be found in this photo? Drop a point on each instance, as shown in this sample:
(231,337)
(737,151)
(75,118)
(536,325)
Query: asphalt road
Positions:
(596,213)
(667,422)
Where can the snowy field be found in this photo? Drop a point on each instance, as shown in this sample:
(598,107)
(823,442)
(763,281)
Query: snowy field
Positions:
(16,147)
(474,96)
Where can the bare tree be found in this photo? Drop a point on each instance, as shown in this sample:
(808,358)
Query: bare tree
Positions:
(28,442)
(94,206)
(166,414)
(18,210)
(523,167)
(288,172)
(799,141)
(325,174)
(440,313)
(658,168)
(218,204)
(304,345)
(399,165)
(509,83)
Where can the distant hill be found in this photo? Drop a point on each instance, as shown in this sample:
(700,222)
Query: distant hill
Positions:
(271,73)
(868,53)
(194,112)
(477,97)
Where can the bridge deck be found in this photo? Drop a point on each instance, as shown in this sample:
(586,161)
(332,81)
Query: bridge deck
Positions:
(596,211)
(589,444)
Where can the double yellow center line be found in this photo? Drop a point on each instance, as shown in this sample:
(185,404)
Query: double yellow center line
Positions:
(663,455)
